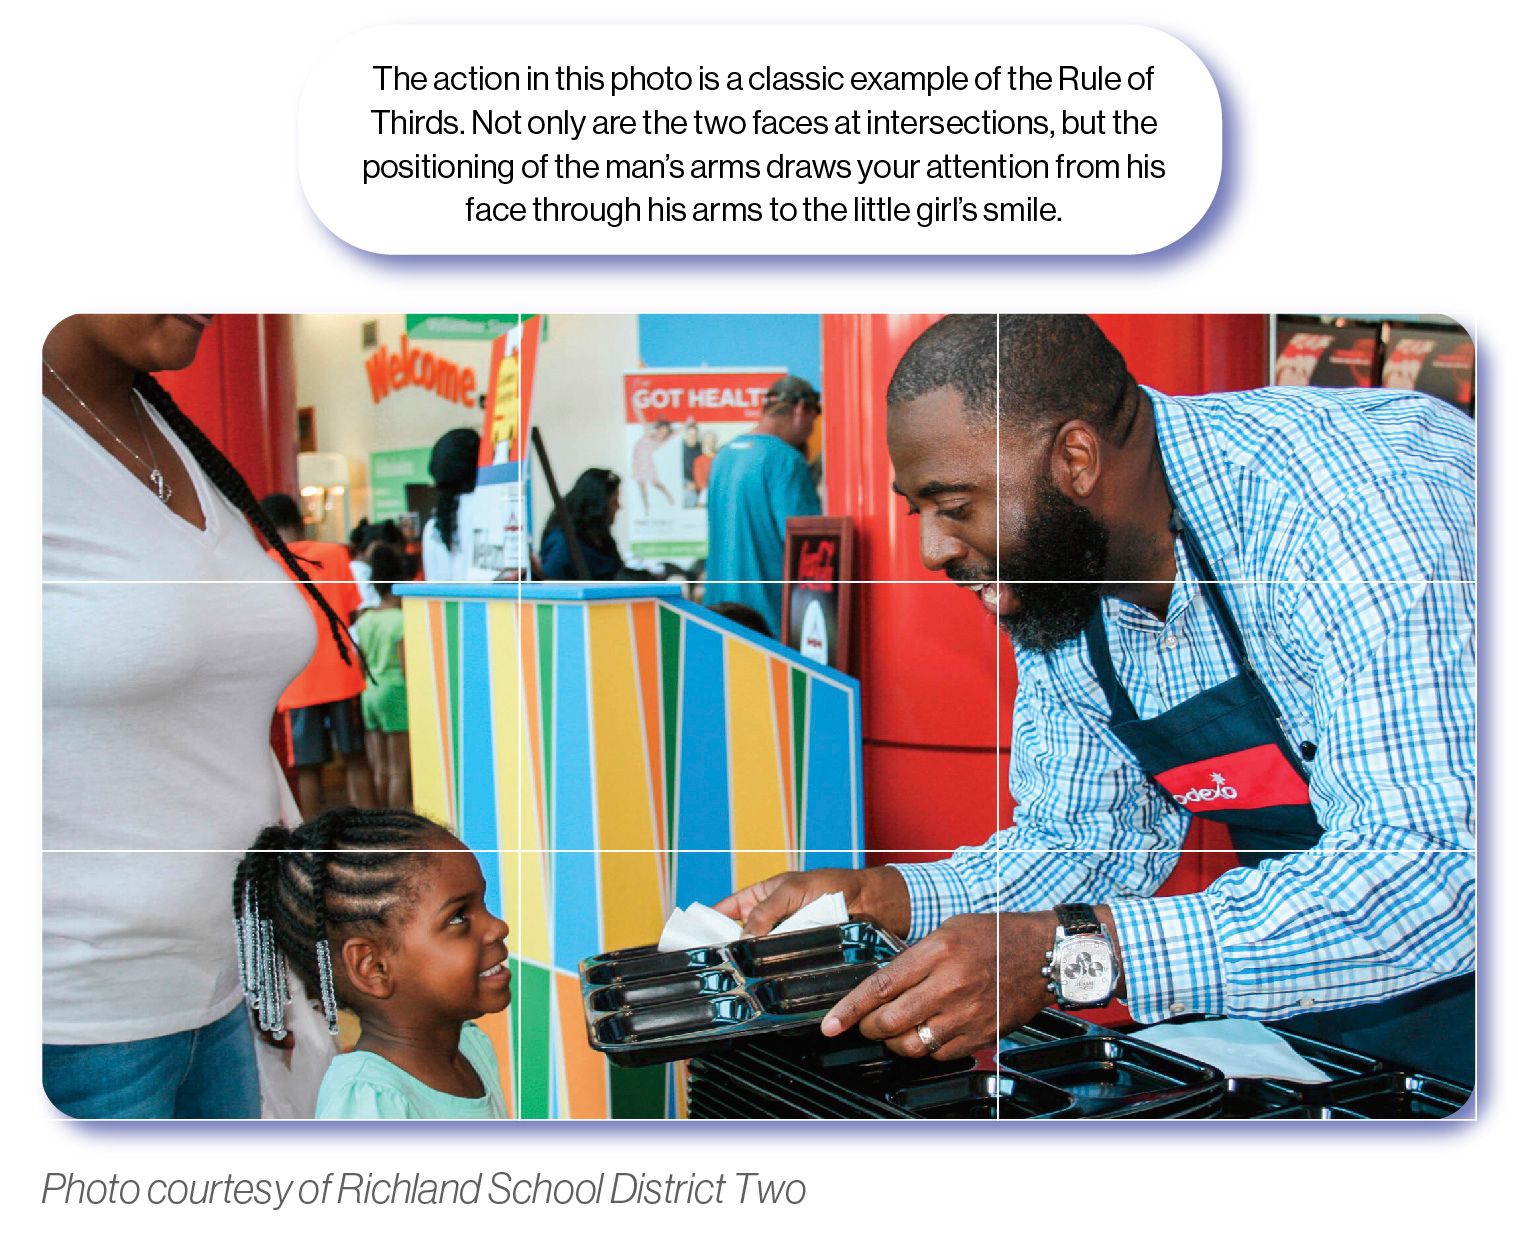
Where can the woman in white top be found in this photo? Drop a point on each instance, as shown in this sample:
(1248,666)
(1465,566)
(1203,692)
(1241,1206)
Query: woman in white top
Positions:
(167,640)
(453,466)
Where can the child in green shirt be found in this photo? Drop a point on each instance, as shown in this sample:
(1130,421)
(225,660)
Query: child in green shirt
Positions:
(381,635)
(382,912)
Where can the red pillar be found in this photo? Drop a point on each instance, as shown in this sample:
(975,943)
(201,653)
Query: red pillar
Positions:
(240,391)
(935,734)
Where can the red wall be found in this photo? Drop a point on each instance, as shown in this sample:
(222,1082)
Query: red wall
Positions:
(240,391)
(934,732)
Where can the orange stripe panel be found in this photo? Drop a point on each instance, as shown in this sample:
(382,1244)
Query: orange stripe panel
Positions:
(584,1069)
(495,1028)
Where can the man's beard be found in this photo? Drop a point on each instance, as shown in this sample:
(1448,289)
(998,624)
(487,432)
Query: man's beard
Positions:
(1063,542)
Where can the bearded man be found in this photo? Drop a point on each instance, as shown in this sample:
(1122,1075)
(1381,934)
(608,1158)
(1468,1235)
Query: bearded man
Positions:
(1257,607)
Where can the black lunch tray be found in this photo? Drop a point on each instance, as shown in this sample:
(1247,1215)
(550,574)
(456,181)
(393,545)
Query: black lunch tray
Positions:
(1359,1087)
(1115,1078)
(852,1077)
(645,1007)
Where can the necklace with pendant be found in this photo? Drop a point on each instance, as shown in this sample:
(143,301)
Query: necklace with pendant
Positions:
(155,476)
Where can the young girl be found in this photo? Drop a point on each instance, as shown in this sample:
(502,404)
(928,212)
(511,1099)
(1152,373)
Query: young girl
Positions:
(384,913)
(381,633)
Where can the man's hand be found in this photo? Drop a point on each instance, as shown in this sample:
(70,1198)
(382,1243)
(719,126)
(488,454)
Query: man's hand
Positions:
(876,892)
(952,981)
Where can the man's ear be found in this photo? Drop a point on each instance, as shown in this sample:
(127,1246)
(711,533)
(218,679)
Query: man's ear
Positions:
(364,964)
(1075,461)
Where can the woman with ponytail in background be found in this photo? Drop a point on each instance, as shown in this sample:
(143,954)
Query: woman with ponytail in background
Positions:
(453,466)
(167,640)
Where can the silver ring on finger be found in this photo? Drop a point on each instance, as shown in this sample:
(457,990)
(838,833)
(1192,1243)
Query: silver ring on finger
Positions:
(928,1039)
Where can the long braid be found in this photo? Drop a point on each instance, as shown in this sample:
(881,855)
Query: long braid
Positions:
(446,512)
(347,871)
(220,471)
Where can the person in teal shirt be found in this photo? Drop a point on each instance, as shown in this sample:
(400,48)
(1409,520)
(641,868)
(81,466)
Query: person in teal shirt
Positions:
(361,1085)
(757,482)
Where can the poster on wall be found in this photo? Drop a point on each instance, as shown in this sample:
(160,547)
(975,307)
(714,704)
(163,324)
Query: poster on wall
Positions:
(677,421)
(1438,362)
(391,473)
(1325,356)
(819,592)
(508,408)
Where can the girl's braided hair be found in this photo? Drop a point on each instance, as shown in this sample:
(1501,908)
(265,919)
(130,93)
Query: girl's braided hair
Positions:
(350,870)
(220,471)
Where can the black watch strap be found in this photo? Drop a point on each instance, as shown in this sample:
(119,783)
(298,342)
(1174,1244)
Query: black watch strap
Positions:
(1077,918)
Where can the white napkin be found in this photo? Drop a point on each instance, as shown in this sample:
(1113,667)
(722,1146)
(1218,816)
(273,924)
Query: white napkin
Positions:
(1237,1048)
(828,909)
(698,925)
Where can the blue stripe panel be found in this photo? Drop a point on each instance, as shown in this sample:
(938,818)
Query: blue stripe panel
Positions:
(702,821)
(576,900)
(829,839)
(476,749)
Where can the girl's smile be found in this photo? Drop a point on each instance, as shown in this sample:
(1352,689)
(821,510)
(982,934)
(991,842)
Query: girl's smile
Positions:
(448,959)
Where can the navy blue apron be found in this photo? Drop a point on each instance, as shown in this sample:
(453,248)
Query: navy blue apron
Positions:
(1224,754)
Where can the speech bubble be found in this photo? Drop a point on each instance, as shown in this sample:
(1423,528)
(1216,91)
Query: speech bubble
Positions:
(567,140)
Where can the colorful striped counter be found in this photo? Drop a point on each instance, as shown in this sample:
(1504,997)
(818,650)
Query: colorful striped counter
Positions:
(612,751)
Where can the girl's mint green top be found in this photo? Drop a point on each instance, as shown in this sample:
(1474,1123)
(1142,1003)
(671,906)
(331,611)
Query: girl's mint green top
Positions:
(361,1085)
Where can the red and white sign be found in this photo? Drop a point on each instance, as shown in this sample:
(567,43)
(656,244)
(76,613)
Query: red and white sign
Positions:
(677,422)
(704,396)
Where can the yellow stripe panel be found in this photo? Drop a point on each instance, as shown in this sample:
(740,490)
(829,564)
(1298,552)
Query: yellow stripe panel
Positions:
(429,790)
(760,842)
(632,884)
(522,888)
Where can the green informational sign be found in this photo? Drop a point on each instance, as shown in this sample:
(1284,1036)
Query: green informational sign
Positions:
(460,326)
(389,473)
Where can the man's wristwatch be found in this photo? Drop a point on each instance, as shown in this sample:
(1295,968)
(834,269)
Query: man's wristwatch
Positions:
(1082,966)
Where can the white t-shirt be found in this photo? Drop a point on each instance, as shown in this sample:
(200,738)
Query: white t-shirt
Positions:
(156,706)
(368,598)
(440,564)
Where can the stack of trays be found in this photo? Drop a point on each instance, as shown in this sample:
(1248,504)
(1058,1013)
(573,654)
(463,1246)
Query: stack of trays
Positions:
(1060,1068)
(745,1015)
(644,1007)
(1359,1088)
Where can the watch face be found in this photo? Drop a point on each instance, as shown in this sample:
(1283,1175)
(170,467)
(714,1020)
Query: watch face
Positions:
(1085,969)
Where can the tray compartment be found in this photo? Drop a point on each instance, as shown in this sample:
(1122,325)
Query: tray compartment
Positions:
(836,945)
(674,1019)
(1050,1026)
(983,1095)
(806,992)
(1250,1097)
(1397,1096)
(1113,1078)
(693,984)
(647,963)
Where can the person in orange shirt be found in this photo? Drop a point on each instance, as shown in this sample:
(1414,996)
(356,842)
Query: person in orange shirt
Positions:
(320,708)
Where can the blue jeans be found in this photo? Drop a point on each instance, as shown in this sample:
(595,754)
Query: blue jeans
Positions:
(206,1073)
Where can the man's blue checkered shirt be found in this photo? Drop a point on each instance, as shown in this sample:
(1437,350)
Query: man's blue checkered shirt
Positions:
(1342,526)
